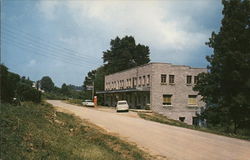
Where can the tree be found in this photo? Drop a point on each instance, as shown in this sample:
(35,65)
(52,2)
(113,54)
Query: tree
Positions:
(65,90)
(47,84)
(226,86)
(124,54)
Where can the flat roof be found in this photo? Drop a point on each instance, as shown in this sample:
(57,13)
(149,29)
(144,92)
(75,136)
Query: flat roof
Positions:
(156,63)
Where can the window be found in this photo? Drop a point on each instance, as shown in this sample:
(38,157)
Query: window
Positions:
(167,99)
(163,78)
(148,80)
(189,79)
(171,79)
(134,82)
(144,80)
(139,82)
(192,99)
(195,79)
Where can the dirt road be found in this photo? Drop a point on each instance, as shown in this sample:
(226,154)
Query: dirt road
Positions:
(175,143)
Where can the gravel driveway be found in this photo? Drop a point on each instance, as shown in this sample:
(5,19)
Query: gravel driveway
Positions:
(172,142)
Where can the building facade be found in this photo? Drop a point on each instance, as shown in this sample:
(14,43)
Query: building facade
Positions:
(165,88)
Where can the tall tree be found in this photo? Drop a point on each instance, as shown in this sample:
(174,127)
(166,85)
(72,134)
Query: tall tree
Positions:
(226,86)
(47,84)
(125,53)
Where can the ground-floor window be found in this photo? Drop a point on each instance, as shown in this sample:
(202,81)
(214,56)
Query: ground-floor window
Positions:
(167,99)
(192,99)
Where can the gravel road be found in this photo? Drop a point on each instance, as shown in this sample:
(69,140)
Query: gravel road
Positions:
(172,142)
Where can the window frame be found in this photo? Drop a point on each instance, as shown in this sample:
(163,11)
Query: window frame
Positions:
(171,79)
(167,99)
(163,80)
(187,79)
(192,100)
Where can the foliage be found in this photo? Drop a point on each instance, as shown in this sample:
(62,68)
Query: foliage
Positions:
(27,93)
(65,89)
(47,84)
(124,53)
(37,131)
(12,86)
(226,86)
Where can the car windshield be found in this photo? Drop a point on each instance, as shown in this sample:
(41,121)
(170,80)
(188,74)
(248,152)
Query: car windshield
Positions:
(122,102)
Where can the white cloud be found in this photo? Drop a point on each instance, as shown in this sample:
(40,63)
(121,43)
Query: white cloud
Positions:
(154,23)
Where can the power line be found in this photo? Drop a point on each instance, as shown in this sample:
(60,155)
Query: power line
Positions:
(62,53)
(45,50)
(19,45)
(51,44)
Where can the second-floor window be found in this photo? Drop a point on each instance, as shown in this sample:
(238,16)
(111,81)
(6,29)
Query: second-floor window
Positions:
(144,81)
(195,79)
(148,80)
(163,78)
(171,79)
(189,79)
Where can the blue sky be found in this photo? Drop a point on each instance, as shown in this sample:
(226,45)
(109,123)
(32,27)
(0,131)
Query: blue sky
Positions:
(65,39)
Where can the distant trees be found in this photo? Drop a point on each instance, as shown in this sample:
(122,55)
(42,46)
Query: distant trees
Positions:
(12,86)
(226,86)
(47,84)
(65,89)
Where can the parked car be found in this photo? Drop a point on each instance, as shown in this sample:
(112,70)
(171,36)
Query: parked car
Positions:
(88,103)
(122,106)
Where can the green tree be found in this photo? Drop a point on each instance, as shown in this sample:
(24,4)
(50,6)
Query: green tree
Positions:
(226,86)
(47,84)
(8,84)
(65,90)
(124,54)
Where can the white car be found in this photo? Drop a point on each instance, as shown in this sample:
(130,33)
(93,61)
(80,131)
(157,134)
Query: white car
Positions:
(122,106)
(88,103)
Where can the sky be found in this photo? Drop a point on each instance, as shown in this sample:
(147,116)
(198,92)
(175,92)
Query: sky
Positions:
(66,39)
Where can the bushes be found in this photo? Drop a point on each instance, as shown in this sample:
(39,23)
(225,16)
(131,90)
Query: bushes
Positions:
(27,93)
(12,86)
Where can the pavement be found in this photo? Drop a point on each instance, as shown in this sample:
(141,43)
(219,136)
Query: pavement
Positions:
(169,142)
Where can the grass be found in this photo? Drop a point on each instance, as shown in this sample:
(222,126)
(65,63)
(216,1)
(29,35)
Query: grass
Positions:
(37,131)
(162,119)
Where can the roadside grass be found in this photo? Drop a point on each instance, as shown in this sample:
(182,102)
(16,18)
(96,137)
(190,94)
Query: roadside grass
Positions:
(75,101)
(38,131)
(162,119)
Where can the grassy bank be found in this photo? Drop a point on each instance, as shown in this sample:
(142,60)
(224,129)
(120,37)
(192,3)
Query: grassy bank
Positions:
(37,131)
(162,119)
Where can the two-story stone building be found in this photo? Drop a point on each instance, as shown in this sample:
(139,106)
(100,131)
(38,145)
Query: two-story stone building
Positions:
(165,88)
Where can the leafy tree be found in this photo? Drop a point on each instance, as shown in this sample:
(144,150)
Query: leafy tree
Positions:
(65,89)
(124,54)
(47,84)
(226,86)
(14,86)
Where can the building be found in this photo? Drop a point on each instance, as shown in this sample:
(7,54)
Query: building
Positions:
(165,88)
